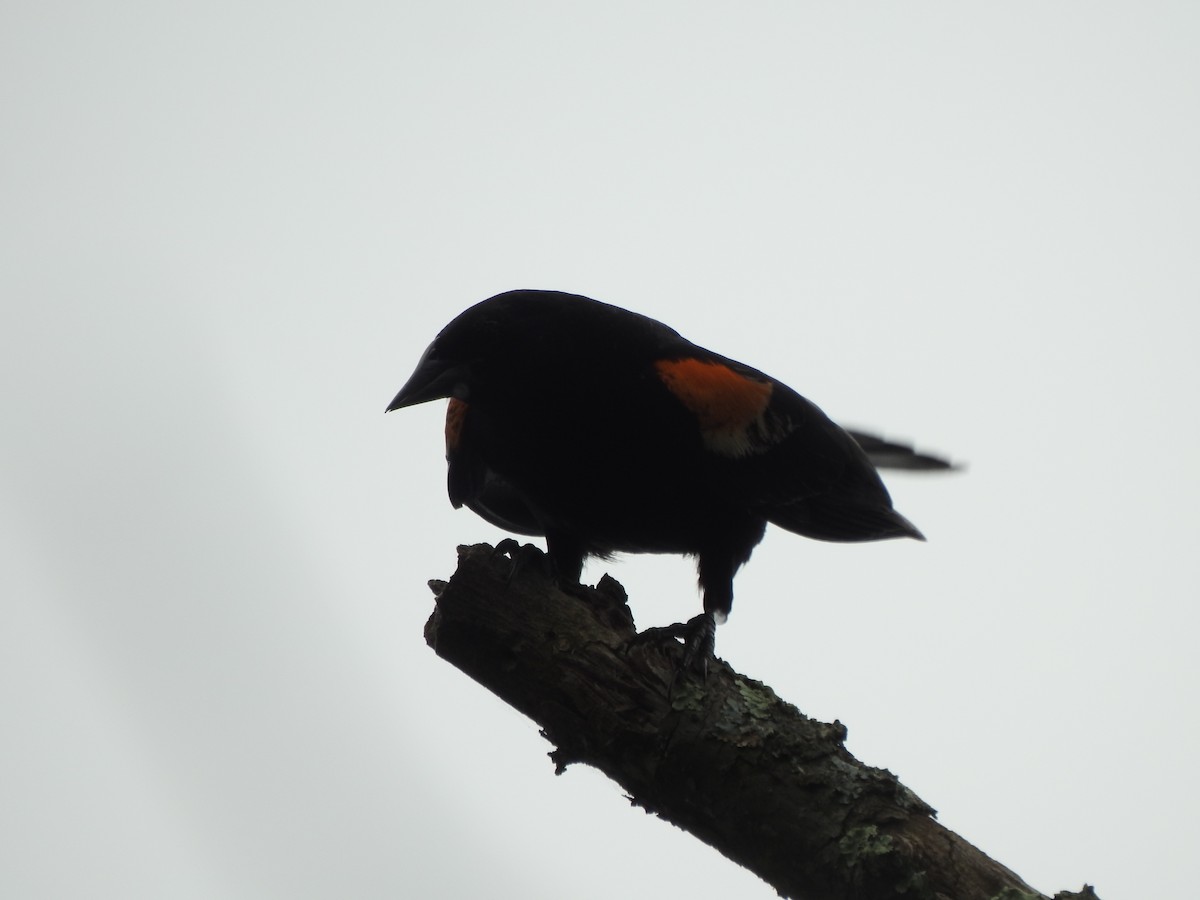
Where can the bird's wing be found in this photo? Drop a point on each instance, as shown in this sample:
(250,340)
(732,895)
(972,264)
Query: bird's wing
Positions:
(471,482)
(779,454)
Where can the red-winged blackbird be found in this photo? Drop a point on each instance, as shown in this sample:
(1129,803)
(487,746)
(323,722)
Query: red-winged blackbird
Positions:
(606,431)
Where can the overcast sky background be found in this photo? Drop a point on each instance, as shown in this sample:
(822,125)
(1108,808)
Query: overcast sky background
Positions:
(229,230)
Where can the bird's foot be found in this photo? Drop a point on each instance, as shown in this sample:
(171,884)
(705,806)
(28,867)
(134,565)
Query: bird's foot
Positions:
(607,597)
(530,556)
(698,636)
(523,557)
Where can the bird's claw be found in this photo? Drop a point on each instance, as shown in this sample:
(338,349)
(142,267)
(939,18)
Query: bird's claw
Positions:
(525,556)
(522,556)
(698,636)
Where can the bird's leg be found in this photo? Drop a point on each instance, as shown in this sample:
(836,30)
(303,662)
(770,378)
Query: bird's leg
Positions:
(566,560)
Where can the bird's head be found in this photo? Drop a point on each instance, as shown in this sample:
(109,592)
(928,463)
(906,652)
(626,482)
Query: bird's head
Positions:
(449,364)
(514,334)
(441,372)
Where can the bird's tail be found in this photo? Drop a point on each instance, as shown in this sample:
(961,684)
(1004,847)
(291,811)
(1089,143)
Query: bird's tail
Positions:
(885,454)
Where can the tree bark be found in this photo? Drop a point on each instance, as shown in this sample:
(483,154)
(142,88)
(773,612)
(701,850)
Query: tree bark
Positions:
(721,757)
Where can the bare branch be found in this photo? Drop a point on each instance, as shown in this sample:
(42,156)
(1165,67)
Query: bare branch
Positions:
(723,758)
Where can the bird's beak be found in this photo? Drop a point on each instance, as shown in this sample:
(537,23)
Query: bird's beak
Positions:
(433,379)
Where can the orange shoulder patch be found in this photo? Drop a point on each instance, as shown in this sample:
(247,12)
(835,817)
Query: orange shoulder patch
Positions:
(456,412)
(726,404)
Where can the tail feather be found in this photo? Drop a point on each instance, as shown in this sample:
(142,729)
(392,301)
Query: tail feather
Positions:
(885,454)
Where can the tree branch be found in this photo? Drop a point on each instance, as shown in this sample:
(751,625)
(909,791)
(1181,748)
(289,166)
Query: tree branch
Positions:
(723,758)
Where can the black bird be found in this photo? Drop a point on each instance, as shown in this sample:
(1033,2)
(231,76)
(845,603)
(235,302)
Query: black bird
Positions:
(606,431)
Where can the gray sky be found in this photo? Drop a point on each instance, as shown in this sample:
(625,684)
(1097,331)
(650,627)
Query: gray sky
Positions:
(228,231)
